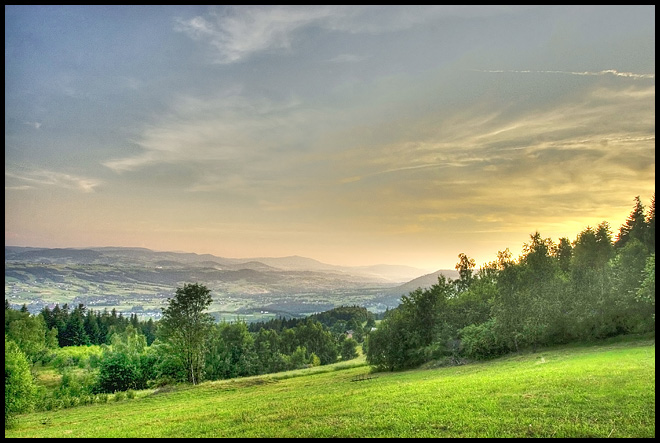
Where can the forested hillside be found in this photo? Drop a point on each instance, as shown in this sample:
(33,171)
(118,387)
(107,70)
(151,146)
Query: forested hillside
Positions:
(556,292)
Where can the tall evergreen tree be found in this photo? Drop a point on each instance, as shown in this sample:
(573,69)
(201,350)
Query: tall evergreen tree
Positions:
(604,245)
(74,332)
(649,240)
(92,328)
(634,227)
(61,318)
(563,252)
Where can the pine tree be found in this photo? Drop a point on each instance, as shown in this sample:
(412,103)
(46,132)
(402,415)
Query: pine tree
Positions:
(635,226)
(74,333)
(650,227)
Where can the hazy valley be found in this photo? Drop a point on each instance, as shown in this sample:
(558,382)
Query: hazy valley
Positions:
(138,280)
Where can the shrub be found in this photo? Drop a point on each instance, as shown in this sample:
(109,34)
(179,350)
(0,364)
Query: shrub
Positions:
(117,372)
(80,356)
(481,342)
(314,360)
(76,383)
(349,349)
(19,386)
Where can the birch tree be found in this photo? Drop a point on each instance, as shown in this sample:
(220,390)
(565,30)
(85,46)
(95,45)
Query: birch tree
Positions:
(185,328)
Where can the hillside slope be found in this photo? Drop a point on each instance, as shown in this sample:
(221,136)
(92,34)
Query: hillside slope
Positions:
(605,390)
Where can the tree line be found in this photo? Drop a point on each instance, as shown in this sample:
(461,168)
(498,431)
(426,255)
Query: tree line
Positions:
(185,345)
(554,293)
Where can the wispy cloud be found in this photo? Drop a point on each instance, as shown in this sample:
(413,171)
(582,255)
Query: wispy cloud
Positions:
(611,72)
(236,32)
(35,125)
(485,165)
(228,140)
(43,178)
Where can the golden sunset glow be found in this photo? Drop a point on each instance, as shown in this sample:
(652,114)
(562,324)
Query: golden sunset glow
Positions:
(351,135)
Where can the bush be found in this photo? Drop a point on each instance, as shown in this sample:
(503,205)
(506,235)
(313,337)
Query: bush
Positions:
(80,356)
(117,372)
(314,360)
(481,342)
(19,386)
(349,349)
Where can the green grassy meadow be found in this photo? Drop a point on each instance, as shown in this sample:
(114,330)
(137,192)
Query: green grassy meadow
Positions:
(601,390)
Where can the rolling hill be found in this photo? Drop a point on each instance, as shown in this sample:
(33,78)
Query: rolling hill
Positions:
(598,390)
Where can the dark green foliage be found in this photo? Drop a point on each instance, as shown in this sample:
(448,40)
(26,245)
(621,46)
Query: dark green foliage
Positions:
(563,252)
(354,313)
(386,348)
(127,363)
(349,349)
(646,292)
(92,328)
(74,333)
(118,372)
(185,328)
(649,239)
(328,318)
(465,268)
(318,340)
(481,341)
(277,324)
(628,273)
(231,352)
(267,348)
(553,294)
(472,306)
(149,330)
(635,226)
(97,327)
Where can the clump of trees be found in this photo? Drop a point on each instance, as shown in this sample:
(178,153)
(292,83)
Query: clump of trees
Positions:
(82,326)
(187,346)
(591,288)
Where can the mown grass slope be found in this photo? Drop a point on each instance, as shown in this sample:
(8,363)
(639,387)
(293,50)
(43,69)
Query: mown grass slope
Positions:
(605,390)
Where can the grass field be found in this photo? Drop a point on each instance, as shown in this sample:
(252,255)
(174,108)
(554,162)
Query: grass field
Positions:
(603,390)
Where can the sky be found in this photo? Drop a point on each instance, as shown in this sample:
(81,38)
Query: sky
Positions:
(354,135)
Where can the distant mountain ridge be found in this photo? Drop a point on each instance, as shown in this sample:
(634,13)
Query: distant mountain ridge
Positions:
(393,295)
(140,280)
(124,256)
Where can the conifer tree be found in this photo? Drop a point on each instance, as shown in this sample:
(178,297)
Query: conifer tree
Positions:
(634,227)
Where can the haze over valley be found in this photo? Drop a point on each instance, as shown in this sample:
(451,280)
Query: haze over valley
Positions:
(138,280)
